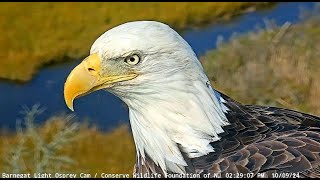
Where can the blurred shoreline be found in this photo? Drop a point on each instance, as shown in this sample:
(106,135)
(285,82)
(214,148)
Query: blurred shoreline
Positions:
(273,66)
(32,38)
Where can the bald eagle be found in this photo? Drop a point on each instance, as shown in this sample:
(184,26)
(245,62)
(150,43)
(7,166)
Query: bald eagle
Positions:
(180,124)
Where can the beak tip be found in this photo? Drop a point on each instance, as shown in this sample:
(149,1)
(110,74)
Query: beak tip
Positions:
(71,108)
(80,81)
(70,105)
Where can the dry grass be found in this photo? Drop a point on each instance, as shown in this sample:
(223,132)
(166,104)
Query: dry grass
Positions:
(99,152)
(35,34)
(62,145)
(277,67)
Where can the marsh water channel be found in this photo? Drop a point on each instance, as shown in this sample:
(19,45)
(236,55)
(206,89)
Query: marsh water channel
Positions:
(104,109)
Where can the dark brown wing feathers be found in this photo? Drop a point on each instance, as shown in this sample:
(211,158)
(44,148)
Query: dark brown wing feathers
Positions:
(261,139)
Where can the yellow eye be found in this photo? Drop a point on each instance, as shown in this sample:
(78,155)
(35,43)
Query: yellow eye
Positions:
(133,60)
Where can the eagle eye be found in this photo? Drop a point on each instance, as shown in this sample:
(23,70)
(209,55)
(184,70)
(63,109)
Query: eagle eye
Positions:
(133,59)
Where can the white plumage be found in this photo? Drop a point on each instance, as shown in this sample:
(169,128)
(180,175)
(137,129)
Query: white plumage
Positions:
(169,103)
(180,124)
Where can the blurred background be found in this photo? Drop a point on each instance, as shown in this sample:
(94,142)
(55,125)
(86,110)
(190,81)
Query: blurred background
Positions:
(256,53)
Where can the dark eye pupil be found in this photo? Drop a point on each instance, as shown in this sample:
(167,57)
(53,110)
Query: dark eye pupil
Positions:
(132,59)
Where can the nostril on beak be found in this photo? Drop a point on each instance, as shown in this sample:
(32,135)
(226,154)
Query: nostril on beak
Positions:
(91,69)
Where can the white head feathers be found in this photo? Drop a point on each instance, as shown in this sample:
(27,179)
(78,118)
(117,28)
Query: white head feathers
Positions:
(169,102)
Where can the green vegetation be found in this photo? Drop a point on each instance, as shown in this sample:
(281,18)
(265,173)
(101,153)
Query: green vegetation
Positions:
(37,34)
(278,66)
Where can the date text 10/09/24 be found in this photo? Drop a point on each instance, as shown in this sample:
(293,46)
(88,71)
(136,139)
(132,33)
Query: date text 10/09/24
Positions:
(263,175)
(217,175)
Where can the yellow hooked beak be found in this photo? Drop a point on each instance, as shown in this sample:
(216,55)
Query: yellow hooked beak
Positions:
(86,78)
